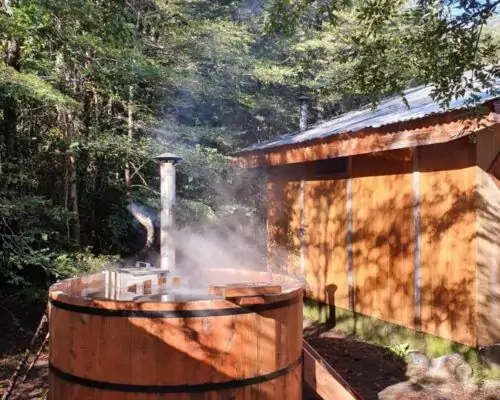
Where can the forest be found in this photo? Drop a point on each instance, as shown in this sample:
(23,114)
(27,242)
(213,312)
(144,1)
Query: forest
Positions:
(92,90)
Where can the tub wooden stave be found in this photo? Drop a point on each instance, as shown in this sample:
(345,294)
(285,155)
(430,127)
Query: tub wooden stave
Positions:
(209,349)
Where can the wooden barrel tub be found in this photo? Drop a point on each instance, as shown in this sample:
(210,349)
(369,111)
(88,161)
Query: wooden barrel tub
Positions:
(116,336)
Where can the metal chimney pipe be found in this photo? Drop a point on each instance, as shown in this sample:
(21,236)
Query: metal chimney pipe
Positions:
(303,111)
(167,190)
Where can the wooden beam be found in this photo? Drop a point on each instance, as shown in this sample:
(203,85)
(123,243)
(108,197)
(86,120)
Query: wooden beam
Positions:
(432,129)
(323,380)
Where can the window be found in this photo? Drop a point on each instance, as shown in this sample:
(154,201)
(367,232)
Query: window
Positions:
(330,167)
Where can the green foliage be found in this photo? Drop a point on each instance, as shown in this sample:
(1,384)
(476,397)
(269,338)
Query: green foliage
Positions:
(84,86)
(79,263)
(28,85)
(399,350)
(91,90)
(388,45)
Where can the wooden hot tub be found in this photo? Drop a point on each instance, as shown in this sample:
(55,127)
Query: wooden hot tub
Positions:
(118,336)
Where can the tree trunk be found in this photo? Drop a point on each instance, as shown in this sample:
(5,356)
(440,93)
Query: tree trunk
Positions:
(66,198)
(9,128)
(130,120)
(87,95)
(73,178)
(9,124)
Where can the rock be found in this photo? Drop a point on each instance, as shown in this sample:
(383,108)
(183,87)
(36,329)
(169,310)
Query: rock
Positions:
(395,392)
(417,367)
(463,372)
(407,391)
(448,368)
(443,378)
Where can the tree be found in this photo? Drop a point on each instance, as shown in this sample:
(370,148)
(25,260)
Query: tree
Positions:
(392,44)
(91,90)
(65,83)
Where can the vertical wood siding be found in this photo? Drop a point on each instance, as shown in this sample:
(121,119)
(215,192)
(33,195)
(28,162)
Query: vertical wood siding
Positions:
(284,216)
(488,237)
(383,236)
(448,240)
(326,265)
(455,237)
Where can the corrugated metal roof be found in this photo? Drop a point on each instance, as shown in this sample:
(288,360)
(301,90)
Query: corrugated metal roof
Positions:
(389,111)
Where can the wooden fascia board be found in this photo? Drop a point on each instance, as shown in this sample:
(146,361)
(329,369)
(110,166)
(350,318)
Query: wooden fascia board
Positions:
(433,129)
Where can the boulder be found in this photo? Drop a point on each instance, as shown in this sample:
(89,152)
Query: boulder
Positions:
(443,378)
(417,366)
(448,368)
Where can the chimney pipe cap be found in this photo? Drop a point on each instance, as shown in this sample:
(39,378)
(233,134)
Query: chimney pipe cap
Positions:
(303,98)
(168,157)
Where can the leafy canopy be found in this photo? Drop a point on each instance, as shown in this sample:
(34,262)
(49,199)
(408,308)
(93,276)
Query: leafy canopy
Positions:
(388,45)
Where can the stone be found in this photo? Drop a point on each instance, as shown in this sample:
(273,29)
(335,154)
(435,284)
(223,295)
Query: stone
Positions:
(451,367)
(443,378)
(417,366)
(395,392)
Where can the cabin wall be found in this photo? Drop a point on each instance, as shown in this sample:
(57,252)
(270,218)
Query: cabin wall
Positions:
(300,199)
(394,239)
(383,236)
(325,230)
(448,240)
(488,239)
(283,221)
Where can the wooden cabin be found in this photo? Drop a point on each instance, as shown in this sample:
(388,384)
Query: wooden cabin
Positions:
(394,214)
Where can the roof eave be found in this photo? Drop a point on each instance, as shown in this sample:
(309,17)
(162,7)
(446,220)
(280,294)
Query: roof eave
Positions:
(436,128)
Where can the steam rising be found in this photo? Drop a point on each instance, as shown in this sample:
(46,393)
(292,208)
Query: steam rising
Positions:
(217,248)
(234,239)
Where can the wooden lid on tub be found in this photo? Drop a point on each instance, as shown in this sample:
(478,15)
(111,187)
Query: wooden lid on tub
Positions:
(243,289)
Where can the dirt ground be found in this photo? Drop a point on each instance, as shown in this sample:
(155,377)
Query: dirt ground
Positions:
(369,369)
(16,330)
